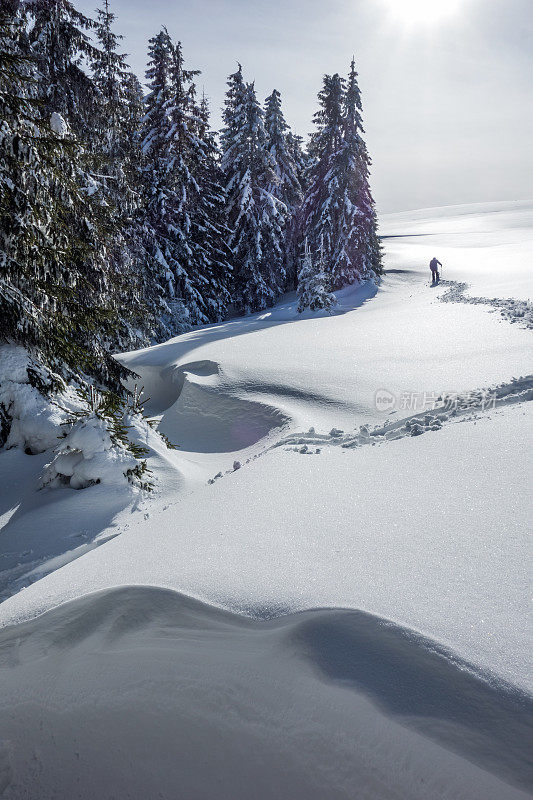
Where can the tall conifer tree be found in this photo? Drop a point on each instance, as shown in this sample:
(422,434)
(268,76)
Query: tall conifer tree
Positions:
(210,233)
(255,216)
(338,212)
(53,257)
(286,187)
(60,40)
(159,186)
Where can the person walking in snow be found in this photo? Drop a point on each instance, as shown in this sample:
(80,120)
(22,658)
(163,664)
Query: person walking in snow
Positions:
(434,265)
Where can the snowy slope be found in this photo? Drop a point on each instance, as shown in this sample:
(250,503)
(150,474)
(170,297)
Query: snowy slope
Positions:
(428,531)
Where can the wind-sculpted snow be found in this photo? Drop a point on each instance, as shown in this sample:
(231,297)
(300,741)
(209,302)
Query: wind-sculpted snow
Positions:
(206,420)
(431,531)
(303,706)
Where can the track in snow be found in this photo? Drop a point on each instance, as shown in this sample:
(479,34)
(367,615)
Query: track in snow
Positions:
(511,309)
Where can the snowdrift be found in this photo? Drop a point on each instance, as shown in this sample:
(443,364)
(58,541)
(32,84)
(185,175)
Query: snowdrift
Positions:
(161,695)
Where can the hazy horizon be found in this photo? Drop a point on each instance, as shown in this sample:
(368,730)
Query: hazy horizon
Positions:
(447,107)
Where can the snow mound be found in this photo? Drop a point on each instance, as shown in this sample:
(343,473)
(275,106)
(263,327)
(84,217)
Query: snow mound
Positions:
(166,691)
(34,421)
(87,455)
(368,527)
(94,443)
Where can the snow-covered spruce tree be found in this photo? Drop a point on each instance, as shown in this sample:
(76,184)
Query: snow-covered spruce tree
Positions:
(21,214)
(286,187)
(144,267)
(81,229)
(296,148)
(60,42)
(159,194)
(338,209)
(203,254)
(109,69)
(313,282)
(209,231)
(30,279)
(283,148)
(114,140)
(255,216)
(185,153)
(170,149)
(97,447)
(358,250)
(52,313)
(53,274)
(320,209)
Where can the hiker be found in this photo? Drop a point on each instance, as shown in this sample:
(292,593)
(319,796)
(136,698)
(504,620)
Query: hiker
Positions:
(434,265)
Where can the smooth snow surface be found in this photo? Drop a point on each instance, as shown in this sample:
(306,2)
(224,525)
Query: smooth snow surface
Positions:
(373,459)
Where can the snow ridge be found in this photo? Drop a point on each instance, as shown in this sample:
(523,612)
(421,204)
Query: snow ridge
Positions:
(471,730)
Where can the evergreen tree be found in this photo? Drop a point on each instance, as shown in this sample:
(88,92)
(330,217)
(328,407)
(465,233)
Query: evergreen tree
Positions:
(295,146)
(313,282)
(60,41)
(55,296)
(358,251)
(320,208)
(159,188)
(338,209)
(287,185)
(54,282)
(255,216)
(329,120)
(114,140)
(146,280)
(173,157)
(210,233)
(109,71)
(21,215)
(109,132)
(233,117)
(185,157)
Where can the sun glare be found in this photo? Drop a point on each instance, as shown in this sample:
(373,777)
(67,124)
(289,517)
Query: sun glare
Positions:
(422,12)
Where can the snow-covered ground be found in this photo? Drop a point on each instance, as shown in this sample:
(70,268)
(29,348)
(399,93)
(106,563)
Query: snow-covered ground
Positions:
(368,470)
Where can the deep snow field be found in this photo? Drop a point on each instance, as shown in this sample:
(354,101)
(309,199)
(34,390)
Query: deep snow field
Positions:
(326,594)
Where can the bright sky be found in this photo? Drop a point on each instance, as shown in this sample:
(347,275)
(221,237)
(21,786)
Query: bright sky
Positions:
(446,83)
